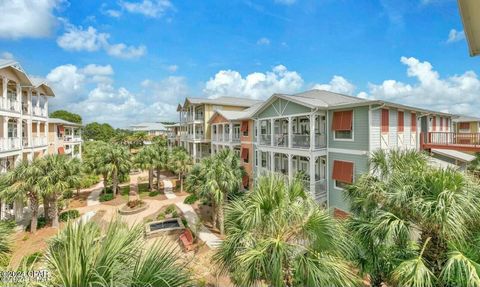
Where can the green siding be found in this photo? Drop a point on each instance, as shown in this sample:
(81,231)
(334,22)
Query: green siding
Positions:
(360,166)
(281,107)
(360,131)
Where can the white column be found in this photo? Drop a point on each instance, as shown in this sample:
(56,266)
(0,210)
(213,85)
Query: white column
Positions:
(194,152)
(4,86)
(290,135)
(80,150)
(38,99)
(290,171)
(19,97)
(257,124)
(29,101)
(45,106)
(5,127)
(193,130)
(46,131)
(230,132)
(312,131)
(272,126)
(19,130)
(312,175)
(38,130)
(29,132)
(272,161)
(3,206)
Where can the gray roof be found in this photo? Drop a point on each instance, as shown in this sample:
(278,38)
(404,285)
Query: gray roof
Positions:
(63,122)
(149,127)
(461,119)
(465,157)
(18,70)
(226,101)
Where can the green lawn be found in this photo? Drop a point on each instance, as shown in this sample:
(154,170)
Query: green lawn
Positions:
(142,191)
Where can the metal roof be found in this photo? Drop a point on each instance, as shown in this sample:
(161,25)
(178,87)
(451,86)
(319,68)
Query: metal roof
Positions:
(63,122)
(225,101)
(237,115)
(462,119)
(470,12)
(18,70)
(465,157)
(149,127)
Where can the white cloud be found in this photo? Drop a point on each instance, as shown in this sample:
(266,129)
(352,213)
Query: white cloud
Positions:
(27,18)
(7,55)
(80,39)
(149,8)
(172,68)
(455,36)
(338,84)
(255,85)
(263,41)
(286,2)
(456,94)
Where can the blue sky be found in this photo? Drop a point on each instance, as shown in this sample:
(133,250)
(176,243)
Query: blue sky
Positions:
(128,61)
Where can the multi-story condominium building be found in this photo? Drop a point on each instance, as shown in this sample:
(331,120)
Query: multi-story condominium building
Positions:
(152,129)
(195,132)
(234,130)
(64,137)
(328,137)
(173,134)
(466,125)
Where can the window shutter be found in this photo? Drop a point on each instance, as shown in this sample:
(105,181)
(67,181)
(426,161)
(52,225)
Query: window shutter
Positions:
(342,121)
(342,171)
(414,122)
(385,120)
(244,153)
(244,127)
(464,126)
(400,122)
(434,123)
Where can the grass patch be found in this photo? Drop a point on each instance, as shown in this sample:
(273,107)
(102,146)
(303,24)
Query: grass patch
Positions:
(69,214)
(105,197)
(191,199)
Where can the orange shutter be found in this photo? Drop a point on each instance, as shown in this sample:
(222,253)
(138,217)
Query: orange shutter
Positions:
(61,150)
(244,127)
(434,123)
(340,214)
(245,180)
(244,153)
(342,171)
(464,126)
(414,122)
(441,123)
(385,120)
(400,122)
(342,121)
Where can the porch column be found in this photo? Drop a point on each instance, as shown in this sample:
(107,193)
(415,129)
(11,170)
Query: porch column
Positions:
(3,207)
(230,132)
(257,124)
(46,131)
(19,131)
(194,152)
(272,126)
(38,100)
(312,131)
(45,106)
(29,101)
(29,132)
(80,150)
(290,171)
(312,175)
(193,130)
(272,161)
(4,87)
(19,96)
(38,131)
(5,127)
(290,135)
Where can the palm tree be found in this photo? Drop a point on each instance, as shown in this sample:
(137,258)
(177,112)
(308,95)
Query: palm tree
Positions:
(94,160)
(161,160)
(117,161)
(56,175)
(20,184)
(181,163)
(121,138)
(415,225)
(6,231)
(146,159)
(279,236)
(137,139)
(80,255)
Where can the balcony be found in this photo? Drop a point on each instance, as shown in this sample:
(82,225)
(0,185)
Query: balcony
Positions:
(10,105)
(196,137)
(281,140)
(72,138)
(39,112)
(265,139)
(39,141)
(468,142)
(9,144)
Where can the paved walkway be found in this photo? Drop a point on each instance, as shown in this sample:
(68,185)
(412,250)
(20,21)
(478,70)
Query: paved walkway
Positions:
(95,194)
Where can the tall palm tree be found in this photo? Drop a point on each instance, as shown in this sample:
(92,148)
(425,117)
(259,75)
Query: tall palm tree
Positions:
(56,175)
(6,231)
(181,163)
(117,161)
(137,139)
(415,225)
(279,236)
(146,159)
(22,183)
(161,160)
(81,255)
(94,160)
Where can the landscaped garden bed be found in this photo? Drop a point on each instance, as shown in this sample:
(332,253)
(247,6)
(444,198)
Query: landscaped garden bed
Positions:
(133,207)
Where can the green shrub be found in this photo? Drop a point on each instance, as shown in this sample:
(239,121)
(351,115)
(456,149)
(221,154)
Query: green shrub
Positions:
(170,209)
(41,223)
(106,197)
(88,180)
(68,194)
(153,193)
(174,214)
(30,260)
(107,190)
(185,222)
(69,214)
(161,216)
(191,199)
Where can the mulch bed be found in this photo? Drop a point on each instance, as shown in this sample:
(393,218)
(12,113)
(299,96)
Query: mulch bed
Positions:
(205,214)
(79,200)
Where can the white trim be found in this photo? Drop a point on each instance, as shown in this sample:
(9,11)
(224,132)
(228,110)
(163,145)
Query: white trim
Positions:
(353,128)
(348,151)
(286,116)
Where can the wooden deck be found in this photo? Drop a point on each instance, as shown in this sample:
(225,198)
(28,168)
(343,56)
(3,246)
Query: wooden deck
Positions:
(466,142)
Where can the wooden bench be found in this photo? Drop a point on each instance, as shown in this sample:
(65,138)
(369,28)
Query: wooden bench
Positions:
(187,239)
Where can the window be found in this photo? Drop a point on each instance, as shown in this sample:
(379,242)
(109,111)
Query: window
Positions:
(342,125)
(385,120)
(342,173)
(244,128)
(400,122)
(264,159)
(413,122)
(12,129)
(340,185)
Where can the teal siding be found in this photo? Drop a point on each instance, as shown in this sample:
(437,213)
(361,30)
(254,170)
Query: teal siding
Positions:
(281,107)
(360,166)
(360,131)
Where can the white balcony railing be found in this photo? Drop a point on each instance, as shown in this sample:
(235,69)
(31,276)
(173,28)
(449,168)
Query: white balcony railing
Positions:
(72,138)
(39,141)
(39,112)
(8,144)
(320,191)
(265,139)
(10,105)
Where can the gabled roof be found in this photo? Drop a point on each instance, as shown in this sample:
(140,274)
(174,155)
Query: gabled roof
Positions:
(17,69)
(470,12)
(40,83)
(463,119)
(63,122)
(149,127)
(223,101)
(237,115)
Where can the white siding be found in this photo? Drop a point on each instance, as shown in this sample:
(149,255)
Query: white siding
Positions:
(375,130)
(392,133)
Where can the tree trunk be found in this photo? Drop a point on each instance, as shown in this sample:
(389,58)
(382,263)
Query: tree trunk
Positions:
(46,209)
(221,218)
(34,209)
(150,179)
(104,183)
(114,183)
(214,215)
(181,184)
(78,191)
(54,211)
(158,179)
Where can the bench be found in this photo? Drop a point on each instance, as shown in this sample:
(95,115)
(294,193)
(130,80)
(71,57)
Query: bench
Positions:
(187,239)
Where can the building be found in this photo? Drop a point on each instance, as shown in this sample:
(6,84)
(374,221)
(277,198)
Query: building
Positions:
(466,125)
(194,114)
(64,137)
(173,134)
(470,12)
(328,137)
(152,129)
(234,130)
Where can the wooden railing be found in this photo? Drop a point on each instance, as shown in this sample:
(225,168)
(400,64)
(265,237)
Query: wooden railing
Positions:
(439,139)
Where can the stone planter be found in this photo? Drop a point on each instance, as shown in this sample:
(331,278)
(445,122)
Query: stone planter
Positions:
(164,227)
(125,210)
